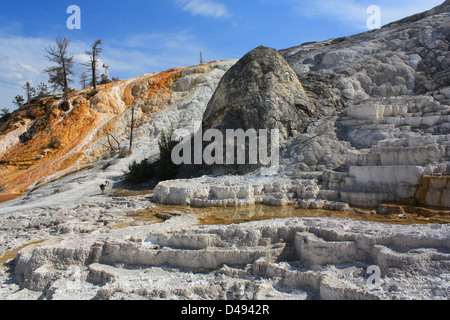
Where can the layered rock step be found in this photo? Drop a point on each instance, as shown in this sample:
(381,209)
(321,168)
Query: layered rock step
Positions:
(420,150)
(321,258)
(234,191)
(376,119)
(397,141)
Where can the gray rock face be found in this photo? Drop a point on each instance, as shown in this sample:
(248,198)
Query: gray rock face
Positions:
(381,117)
(406,57)
(259,92)
(290,258)
(395,124)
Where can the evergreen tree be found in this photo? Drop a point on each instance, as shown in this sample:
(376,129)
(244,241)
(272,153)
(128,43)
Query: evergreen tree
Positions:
(59,74)
(30,91)
(42,90)
(166,168)
(4,112)
(19,101)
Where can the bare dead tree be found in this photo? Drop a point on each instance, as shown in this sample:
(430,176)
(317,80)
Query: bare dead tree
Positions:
(132,129)
(106,69)
(84,80)
(93,63)
(111,148)
(110,144)
(59,74)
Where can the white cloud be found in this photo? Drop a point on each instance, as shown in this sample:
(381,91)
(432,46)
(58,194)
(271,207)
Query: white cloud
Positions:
(169,40)
(23,59)
(391,12)
(354,13)
(205,8)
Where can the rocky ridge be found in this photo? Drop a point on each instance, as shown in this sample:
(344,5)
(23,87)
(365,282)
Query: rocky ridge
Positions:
(52,137)
(380,122)
(277,259)
(379,133)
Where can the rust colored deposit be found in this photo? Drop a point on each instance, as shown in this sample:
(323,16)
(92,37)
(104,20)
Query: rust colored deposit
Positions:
(51,134)
(434,191)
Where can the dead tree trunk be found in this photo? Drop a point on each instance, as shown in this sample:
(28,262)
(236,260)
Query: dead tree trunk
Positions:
(132,129)
(109,141)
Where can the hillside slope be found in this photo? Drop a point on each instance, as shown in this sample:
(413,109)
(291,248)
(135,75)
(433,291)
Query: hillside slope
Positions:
(52,137)
(377,131)
(380,131)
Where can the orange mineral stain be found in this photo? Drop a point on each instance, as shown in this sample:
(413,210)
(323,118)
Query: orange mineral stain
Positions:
(59,131)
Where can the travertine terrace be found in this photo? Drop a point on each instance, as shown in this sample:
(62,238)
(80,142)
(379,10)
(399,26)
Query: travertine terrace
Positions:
(371,137)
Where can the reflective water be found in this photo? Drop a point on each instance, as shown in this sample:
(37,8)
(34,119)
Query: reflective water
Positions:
(231,215)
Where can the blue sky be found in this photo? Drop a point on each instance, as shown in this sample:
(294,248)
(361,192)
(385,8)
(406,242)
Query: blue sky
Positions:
(144,36)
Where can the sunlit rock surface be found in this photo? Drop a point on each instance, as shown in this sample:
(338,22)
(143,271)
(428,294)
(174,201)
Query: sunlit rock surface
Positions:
(276,259)
(380,133)
(381,119)
(259,92)
(50,138)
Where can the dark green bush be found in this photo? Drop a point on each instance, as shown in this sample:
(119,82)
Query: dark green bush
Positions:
(141,172)
(163,169)
(166,168)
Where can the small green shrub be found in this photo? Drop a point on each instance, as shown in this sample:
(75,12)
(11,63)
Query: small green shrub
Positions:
(163,169)
(141,172)
(166,168)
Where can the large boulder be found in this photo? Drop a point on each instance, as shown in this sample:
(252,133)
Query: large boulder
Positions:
(260,91)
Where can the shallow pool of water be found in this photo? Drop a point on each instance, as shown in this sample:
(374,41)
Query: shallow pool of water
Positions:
(231,215)
(262,212)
